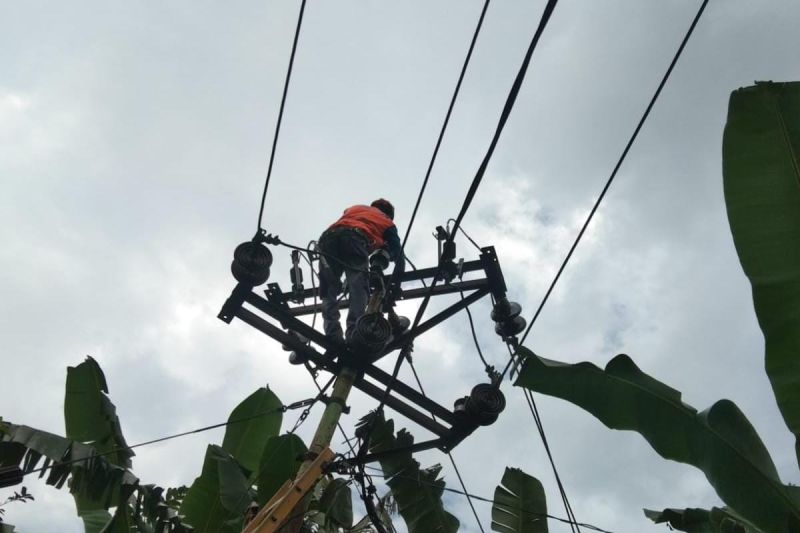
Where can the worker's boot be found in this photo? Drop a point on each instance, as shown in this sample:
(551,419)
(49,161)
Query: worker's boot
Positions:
(399,324)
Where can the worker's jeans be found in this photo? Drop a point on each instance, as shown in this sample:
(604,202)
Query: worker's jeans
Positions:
(345,251)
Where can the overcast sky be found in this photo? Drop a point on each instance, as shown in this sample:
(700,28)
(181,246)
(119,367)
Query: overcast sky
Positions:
(133,145)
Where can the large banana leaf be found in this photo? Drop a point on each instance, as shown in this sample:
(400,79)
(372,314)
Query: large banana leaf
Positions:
(280,461)
(90,417)
(92,475)
(519,504)
(716,520)
(218,498)
(337,503)
(761,168)
(719,441)
(251,424)
(417,491)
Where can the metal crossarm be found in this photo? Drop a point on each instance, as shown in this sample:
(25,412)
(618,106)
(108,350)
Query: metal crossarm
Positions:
(276,314)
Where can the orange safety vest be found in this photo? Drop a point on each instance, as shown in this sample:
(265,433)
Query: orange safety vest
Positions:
(371,221)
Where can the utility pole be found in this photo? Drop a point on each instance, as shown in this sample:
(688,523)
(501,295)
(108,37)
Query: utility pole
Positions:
(322,437)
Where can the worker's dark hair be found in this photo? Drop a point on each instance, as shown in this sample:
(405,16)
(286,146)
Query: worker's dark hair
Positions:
(385,206)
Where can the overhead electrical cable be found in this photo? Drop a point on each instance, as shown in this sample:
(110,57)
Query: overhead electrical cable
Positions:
(617,166)
(449,454)
(487,500)
(506,112)
(281,409)
(446,121)
(280,112)
(509,104)
(575,526)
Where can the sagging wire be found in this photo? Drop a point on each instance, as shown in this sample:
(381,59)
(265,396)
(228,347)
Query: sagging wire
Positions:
(621,159)
(449,454)
(280,113)
(281,409)
(446,121)
(487,500)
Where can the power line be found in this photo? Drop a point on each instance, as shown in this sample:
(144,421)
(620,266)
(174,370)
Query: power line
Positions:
(281,409)
(446,121)
(280,112)
(449,454)
(617,166)
(534,412)
(509,104)
(506,112)
(487,500)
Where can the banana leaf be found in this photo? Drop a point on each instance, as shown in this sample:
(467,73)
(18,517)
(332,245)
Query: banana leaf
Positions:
(761,170)
(90,417)
(280,460)
(251,424)
(715,520)
(519,504)
(417,491)
(218,498)
(337,503)
(719,441)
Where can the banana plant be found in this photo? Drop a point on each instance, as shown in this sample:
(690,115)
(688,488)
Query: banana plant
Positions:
(93,461)
(761,171)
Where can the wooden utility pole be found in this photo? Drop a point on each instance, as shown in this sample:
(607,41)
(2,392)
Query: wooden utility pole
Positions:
(311,469)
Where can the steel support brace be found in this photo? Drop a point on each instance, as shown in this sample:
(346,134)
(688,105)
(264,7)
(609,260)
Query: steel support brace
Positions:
(432,322)
(403,408)
(362,384)
(377,456)
(410,294)
(373,381)
(410,394)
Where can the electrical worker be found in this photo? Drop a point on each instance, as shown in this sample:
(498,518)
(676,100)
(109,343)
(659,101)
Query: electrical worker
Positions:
(345,248)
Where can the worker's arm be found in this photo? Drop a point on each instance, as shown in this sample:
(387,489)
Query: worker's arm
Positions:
(395,249)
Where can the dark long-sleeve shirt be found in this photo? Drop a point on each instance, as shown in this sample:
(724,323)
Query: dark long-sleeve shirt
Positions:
(395,249)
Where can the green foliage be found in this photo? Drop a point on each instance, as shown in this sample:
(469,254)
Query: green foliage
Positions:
(337,503)
(89,415)
(417,491)
(90,418)
(251,424)
(218,498)
(280,461)
(93,477)
(761,169)
(716,520)
(519,504)
(719,441)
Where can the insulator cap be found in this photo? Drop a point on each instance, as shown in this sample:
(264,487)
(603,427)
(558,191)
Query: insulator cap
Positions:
(504,309)
(485,403)
(400,324)
(251,262)
(371,333)
(511,327)
(297,359)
